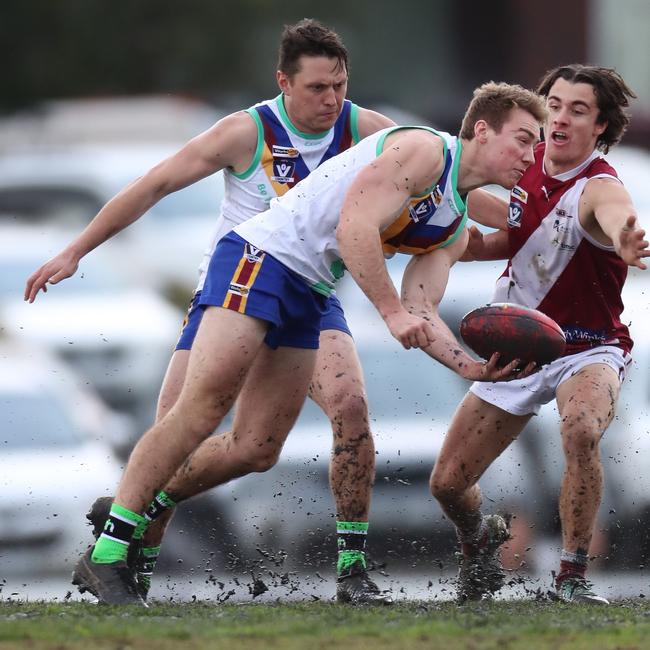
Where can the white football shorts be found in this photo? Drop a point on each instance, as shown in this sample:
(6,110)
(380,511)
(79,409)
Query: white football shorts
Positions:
(526,396)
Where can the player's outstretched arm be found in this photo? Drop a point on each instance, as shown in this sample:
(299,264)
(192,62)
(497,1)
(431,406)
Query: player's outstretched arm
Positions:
(612,208)
(423,287)
(411,162)
(230,142)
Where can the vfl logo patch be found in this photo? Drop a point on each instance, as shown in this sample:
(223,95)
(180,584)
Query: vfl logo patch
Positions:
(253,254)
(283,170)
(285,152)
(422,210)
(519,194)
(514,215)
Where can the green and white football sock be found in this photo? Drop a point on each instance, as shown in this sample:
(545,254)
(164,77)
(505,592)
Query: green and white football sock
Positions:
(162,502)
(119,529)
(146,563)
(351,542)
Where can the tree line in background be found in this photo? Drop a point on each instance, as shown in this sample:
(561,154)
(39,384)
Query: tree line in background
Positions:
(425,57)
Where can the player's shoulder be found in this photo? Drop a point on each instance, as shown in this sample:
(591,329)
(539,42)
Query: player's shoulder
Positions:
(369,121)
(238,129)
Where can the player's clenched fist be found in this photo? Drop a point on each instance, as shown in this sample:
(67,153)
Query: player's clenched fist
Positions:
(411,331)
(58,268)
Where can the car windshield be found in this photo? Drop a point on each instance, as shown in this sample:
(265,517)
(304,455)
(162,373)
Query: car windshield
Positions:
(33,421)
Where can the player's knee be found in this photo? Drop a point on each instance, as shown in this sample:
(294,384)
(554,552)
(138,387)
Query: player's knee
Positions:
(201,422)
(444,485)
(348,408)
(263,460)
(581,436)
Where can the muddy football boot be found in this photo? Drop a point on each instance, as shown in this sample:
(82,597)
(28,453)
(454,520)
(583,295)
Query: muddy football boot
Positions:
(575,589)
(480,572)
(356,587)
(111,584)
(97,516)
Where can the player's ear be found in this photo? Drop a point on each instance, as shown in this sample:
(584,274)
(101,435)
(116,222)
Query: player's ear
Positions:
(480,131)
(283,81)
(600,127)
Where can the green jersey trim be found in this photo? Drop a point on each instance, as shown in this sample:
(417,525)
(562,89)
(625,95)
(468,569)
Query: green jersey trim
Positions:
(258,150)
(322,288)
(279,100)
(458,199)
(380,149)
(354,123)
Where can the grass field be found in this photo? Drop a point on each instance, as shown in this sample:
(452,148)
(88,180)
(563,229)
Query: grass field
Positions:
(417,625)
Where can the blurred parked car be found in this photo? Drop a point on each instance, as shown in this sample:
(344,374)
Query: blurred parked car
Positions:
(289,510)
(411,398)
(56,456)
(117,333)
(62,123)
(63,189)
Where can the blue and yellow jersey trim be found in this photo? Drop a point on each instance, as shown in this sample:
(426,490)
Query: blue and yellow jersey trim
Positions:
(415,230)
(281,161)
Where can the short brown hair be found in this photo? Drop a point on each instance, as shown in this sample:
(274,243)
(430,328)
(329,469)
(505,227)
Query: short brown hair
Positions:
(309,38)
(493,102)
(612,97)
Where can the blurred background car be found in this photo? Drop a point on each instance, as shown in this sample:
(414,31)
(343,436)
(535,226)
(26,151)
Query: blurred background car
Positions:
(117,332)
(56,455)
(289,510)
(64,189)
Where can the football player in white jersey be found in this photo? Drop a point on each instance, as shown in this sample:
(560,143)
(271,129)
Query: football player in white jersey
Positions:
(258,337)
(312,109)
(571,215)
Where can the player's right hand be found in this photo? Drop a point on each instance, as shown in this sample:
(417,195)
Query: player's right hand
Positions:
(58,268)
(410,330)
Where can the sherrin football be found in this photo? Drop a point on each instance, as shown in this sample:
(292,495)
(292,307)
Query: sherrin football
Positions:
(516,332)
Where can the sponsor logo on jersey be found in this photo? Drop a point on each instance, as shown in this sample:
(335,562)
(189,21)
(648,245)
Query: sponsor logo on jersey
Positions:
(519,194)
(560,226)
(422,210)
(584,335)
(515,212)
(283,170)
(285,152)
(238,289)
(253,254)
(437,195)
(563,246)
(561,213)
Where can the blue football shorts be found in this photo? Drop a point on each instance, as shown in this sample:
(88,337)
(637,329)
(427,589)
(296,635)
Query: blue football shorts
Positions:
(245,279)
(332,319)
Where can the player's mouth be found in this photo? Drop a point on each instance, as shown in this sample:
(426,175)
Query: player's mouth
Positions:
(559,137)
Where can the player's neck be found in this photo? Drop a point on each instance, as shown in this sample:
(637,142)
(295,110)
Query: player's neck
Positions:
(556,168)
(471,172)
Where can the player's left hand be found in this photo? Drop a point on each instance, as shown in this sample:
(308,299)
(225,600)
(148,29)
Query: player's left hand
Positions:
(632,245)
(491,371)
